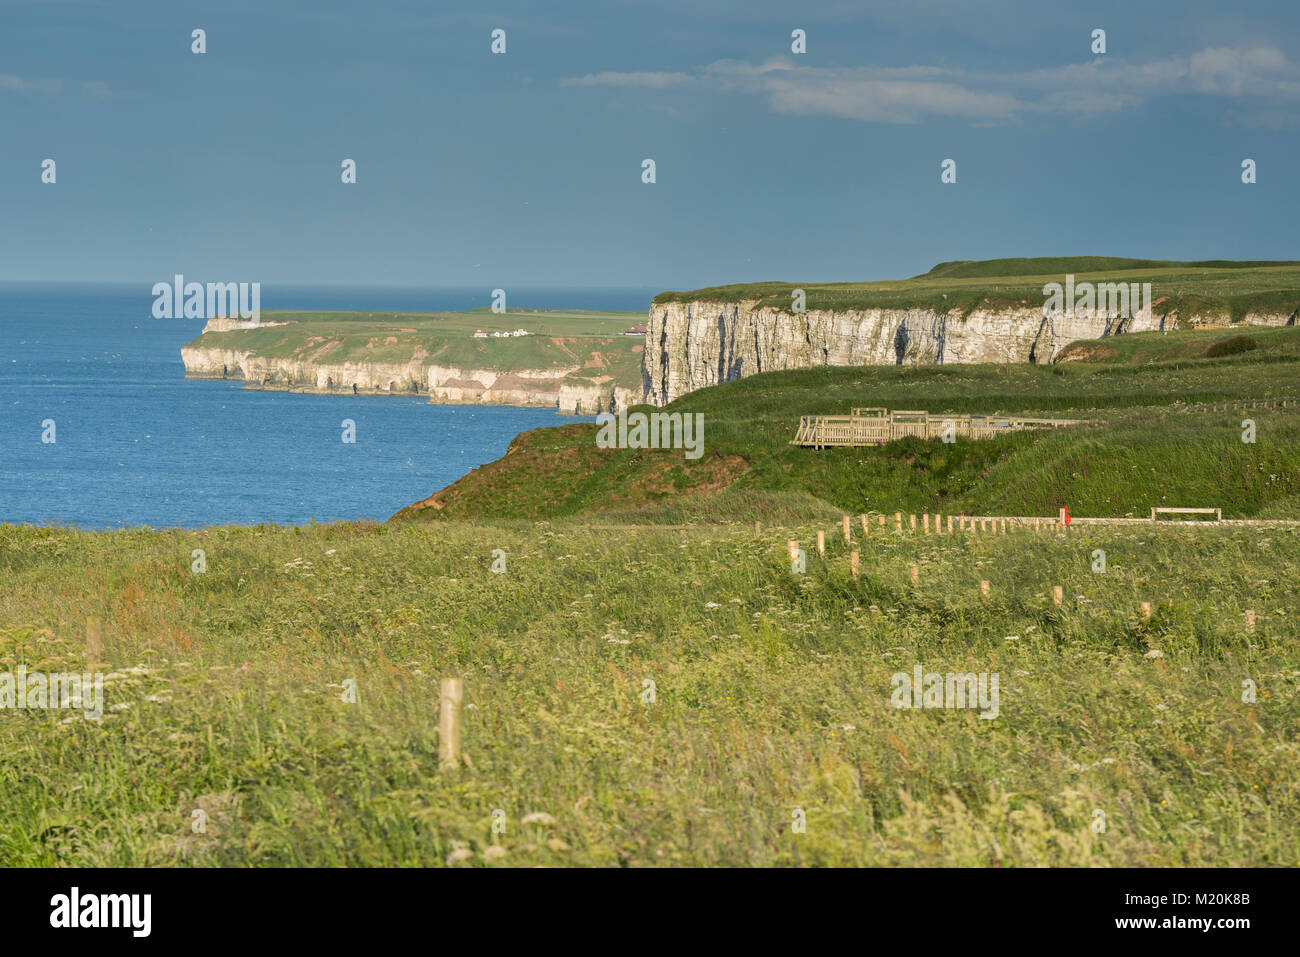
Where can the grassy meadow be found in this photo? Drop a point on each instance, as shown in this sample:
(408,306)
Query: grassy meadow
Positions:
(772,693)
(1216,289)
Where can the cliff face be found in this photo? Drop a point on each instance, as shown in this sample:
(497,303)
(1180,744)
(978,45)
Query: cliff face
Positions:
(690,345)
(545,388)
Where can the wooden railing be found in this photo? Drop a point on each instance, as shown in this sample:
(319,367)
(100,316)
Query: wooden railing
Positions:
(878,426)
(1231,405)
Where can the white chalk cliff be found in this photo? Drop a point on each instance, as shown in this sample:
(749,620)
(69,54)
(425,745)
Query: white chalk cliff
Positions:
(449,385)
(693,344)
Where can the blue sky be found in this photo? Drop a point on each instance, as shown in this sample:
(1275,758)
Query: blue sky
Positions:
(525,168)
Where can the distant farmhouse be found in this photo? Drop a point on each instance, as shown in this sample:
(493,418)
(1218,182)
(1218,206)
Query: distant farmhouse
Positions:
(500,334)
(635,331)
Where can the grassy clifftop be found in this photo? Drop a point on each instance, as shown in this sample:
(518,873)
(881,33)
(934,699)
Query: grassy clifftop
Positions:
(558,338)
(1145,451)
(1193,288)
(1051,265)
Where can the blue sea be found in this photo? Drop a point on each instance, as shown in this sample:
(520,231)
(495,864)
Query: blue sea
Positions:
(136,443)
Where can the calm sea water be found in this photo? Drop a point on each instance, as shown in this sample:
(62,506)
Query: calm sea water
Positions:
(139,444)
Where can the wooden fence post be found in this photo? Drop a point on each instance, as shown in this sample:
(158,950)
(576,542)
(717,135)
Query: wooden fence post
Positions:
(1058,594)
(916,575)
(913,523)
(984,589)
(453,701)
(846,529)
(1250,620)
(1146,609)
(791,546)
(853,564)
(866,526)
(94,642)
(821,543)
(898,521)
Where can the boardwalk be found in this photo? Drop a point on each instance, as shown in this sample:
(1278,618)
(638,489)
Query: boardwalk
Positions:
(876,426)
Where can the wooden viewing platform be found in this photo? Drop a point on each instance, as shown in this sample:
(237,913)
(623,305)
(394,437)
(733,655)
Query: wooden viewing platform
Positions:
(875,426)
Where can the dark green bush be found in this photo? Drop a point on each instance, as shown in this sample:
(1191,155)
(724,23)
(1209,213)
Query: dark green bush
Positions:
(1230,347)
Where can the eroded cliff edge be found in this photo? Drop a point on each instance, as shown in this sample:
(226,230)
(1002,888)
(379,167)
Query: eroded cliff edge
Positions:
(695,343)
(578,376)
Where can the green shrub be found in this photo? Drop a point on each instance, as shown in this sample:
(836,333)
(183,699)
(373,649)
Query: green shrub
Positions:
(1231,347)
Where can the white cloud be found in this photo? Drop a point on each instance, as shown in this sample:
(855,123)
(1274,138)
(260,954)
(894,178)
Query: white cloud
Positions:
(653,81)
(16,84)
(97,90)
(914,93)
(870,94)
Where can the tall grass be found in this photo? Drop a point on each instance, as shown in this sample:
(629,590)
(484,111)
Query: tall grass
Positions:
(772,694)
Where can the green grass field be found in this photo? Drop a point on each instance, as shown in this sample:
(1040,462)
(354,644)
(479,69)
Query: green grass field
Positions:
(772,693)
(1229,289)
